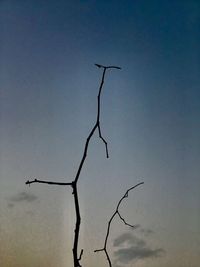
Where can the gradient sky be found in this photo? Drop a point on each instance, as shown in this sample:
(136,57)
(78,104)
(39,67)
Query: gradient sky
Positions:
(150,118)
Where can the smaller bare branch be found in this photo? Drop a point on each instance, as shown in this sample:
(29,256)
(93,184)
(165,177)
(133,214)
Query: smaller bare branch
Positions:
(101,137)
(46,182)
(110,221)
(98,250)
(124,220)
(80,255)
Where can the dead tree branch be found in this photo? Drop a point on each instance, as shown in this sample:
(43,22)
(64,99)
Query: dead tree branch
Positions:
(96,126)
(110,221)
(46,182)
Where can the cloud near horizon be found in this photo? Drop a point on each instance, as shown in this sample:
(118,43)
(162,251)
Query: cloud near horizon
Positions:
(23,197)
(132,248)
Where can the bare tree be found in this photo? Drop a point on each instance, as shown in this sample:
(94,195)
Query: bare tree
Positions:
(74,184)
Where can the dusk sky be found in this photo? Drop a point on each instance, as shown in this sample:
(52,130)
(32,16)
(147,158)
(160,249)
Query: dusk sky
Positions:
(150,117)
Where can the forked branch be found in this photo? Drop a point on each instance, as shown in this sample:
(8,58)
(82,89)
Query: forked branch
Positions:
(104,249)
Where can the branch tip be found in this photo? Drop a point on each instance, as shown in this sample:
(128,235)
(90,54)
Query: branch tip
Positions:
(81,253)
(107,67)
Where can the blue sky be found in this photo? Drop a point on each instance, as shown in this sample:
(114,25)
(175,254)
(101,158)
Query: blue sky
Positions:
(150,118)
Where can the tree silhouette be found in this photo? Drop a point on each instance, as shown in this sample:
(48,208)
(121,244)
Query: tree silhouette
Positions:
(74,184)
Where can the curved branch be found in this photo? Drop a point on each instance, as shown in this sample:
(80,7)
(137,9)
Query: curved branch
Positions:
(110,221)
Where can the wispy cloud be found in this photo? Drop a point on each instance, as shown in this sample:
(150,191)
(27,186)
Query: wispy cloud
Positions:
(23,197)
(132,248)
(128,239)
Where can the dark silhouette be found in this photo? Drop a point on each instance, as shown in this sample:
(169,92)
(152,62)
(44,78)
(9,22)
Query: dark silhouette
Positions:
(74,183)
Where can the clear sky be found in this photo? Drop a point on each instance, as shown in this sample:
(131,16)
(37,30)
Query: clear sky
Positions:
(150,118)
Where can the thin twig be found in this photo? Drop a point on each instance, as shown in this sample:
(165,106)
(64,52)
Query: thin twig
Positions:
(80,255)
(110,221)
